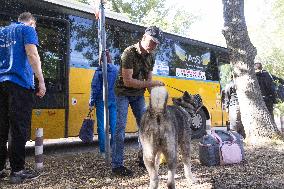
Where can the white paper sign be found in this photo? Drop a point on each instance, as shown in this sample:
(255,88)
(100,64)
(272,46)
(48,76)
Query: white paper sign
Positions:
(194,74)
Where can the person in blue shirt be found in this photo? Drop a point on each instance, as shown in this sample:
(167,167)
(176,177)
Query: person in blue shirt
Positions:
(96,100)
(19,61)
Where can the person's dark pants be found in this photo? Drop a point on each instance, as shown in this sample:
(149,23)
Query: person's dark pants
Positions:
(16,105)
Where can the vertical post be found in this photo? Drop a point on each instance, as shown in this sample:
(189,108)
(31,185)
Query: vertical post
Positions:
(39,148)
(208,126)
(105,84)
(282,124)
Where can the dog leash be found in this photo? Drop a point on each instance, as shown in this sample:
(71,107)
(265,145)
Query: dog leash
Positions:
(175,88)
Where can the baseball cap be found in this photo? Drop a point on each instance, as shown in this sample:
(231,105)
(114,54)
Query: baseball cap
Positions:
(155,33)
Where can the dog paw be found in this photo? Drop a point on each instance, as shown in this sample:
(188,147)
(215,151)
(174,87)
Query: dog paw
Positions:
(191,179)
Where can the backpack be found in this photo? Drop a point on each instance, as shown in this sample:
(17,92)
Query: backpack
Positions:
(279,92)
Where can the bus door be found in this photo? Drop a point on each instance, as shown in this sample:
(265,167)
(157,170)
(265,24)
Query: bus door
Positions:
(50,112)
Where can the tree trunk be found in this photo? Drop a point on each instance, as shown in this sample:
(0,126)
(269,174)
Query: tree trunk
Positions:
(256,119)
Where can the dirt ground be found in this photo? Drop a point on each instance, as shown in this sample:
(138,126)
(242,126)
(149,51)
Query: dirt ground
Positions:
(263,168)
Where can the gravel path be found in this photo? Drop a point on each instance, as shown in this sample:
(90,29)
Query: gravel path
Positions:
(263,168)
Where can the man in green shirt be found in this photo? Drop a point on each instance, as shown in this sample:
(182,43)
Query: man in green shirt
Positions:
(136,66)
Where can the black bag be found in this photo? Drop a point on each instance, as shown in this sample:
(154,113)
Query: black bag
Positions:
(86,133)
(209,151)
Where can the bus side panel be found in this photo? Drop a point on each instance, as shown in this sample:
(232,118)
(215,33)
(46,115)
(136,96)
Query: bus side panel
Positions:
(209,91)
(51,120)
(79,93)
(216,106)
(80,86)
(131,126)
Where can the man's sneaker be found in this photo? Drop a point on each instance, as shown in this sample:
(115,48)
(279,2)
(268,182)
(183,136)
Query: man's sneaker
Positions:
(122,171)
(2,174)
(20,176)
(102,155)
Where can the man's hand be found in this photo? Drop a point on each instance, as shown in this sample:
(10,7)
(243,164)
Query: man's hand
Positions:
(156,83)
(41,89)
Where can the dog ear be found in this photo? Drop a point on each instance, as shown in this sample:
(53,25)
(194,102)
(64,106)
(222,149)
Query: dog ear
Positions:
(186,97)
(176,100)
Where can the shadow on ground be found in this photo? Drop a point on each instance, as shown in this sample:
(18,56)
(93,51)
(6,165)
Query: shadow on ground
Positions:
(70,167)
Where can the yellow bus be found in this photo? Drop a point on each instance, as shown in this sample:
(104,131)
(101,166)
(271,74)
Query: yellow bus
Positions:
(68,48)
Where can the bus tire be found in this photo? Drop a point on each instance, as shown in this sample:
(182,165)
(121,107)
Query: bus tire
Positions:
(199,124)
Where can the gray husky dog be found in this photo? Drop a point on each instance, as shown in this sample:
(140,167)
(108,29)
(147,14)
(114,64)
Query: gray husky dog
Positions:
(163,129)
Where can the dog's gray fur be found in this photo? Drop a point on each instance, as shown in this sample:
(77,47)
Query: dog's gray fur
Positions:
(163,129)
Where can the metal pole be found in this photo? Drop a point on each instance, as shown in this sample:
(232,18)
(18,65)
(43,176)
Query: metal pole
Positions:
(105,84)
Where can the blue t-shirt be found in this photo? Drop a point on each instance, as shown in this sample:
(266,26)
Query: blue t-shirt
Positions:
(14,65)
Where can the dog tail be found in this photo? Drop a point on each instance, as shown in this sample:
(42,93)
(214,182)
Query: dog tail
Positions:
(158,98)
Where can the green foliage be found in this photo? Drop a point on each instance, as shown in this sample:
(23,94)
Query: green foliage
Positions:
(271,51)
(275,59)
(137,9)
(279,109)
(279,11)
(83,1)
(154,12)
(225,74)
(274,62)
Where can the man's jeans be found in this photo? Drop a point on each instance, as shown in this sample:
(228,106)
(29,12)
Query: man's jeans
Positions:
(137,104)
(15,114)
(100,121)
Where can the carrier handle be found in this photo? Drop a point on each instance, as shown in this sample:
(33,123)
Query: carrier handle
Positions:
(219,138)
(215,135)
(90,114)
(229,133)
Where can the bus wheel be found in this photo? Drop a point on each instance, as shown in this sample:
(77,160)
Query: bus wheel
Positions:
(198,124)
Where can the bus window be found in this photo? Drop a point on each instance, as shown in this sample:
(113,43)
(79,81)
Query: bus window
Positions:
(112,33)
(52,50)
(225,74)
(5,20)
(53,43)
(211,69)
(128,37)
(185,61)
(84,49)
(164,58)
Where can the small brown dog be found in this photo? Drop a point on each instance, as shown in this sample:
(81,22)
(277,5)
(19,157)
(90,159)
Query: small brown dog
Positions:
(163,129)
